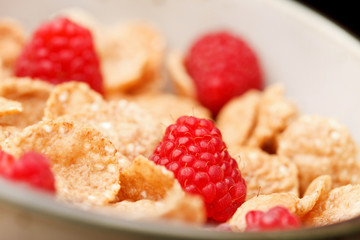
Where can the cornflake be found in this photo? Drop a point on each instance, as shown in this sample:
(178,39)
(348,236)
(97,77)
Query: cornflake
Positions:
(166,107)
(76,154)
(265,173)
(320,146)
(131,129)
(9,107)
(32,94)
(149,191)
(68,98)
(340,204)
(12,39)
(181,80)
(295,205)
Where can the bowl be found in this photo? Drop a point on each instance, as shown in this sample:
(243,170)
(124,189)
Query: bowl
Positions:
(316,61)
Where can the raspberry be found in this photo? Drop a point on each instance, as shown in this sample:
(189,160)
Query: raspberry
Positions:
(31,167)
(222,66)
(193,150)
(61,51)
(277,218)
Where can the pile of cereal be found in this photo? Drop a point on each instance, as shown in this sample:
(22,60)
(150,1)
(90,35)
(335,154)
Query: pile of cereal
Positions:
(85,114)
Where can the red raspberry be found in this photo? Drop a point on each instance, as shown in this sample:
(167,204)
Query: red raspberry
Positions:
(32,168)
(222,66)
(277,218)
(61,51)
(193,150)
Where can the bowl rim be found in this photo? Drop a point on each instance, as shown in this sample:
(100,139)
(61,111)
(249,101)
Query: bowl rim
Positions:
(36,202)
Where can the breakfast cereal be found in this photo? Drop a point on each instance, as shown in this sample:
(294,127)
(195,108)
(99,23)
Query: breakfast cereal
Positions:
(68,98)
(338,205)
(32,94)
(12,39)
(234,130)
(295,205)
(182,82)
(266,173)
(132,130)
(9,107)
(101,145)
(86,165)
(162,107)
(320,146)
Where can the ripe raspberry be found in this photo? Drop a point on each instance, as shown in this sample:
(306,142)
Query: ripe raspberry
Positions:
(193,150)
(222,66)
(277,218)
(61,51)
(32,168)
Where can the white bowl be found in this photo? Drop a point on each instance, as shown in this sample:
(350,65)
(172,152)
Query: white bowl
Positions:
(316,61)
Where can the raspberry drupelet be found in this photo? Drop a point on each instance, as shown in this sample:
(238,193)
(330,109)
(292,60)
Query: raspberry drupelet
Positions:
(193,150)
(61,51)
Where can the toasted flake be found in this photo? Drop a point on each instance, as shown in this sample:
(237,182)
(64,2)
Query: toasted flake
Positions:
(126,125)
(69,97)
(262,203)
(9,107)
(265,173)
(299,207)
(183,83)
(132,57)
(12,39)
(316,190)
(149,191)
(7,132)
(309,143)
(77,173)
(275,113)
(32,94)
(237,118)
(166,107)
(144,178)
(338,205)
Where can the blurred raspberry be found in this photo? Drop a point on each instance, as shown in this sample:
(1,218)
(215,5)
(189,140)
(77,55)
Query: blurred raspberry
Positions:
(222,66)
(277,218)
(33,168)
(61,51)
(193,150)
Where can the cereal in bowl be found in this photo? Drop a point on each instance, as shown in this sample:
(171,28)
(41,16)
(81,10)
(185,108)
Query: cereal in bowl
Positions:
(107,136)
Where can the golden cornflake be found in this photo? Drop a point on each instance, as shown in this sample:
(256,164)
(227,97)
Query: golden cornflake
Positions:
(262,203)
(86,165)
(132,57)
(340,204)
(320,146)
(316,190)
(237,118)
(149,191)
(9,107)
(70,97)
(299,207)
(275,113)
(143,179)
(265,173)
(183,83)
(32,94)
(131,129)
(166,108)
(12,39)
(5,133)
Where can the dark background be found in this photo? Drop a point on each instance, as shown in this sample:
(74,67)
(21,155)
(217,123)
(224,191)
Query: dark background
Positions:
(344,13)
